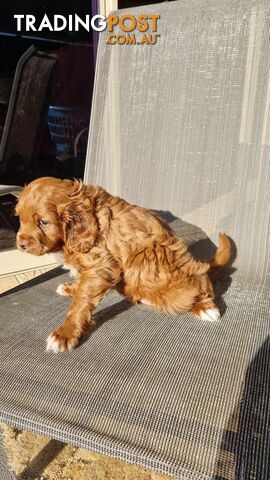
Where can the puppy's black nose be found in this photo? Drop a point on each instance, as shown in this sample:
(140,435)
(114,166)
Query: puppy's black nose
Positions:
(23,246)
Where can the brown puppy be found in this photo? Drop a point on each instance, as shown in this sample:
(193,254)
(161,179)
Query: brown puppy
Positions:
(107,243)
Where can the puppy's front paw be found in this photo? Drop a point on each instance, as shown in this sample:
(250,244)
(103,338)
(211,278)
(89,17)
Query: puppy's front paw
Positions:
(61,289)
(58,341)
(65,289)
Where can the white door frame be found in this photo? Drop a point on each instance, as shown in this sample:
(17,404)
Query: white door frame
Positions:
(107,6)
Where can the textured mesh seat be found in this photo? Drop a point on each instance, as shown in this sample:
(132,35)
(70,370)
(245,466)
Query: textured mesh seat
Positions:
(181,127)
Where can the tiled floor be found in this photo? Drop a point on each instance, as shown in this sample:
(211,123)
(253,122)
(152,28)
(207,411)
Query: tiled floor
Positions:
(11,281)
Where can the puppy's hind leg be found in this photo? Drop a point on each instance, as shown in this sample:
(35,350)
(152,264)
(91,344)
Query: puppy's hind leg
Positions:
(204,306)
(191,295)
(206,310)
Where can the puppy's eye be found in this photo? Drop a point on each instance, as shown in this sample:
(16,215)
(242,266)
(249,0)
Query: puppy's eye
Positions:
(42,223)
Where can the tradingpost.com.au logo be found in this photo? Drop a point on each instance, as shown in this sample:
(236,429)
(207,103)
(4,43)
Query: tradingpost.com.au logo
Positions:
(129,24)
(122,29)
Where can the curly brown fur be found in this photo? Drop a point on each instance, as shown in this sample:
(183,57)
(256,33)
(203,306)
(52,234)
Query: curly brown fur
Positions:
(112,244)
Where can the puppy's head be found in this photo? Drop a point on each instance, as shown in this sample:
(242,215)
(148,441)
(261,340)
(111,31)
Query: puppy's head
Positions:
(55,213)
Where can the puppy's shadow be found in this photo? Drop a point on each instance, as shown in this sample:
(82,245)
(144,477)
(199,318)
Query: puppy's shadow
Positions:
(202,248)
(112,311)
(107,314)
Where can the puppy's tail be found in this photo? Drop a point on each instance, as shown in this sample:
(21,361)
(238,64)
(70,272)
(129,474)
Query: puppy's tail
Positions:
(223,253)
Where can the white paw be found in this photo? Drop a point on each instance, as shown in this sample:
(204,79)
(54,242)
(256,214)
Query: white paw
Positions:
(61,290)
(53,344)
(210,315)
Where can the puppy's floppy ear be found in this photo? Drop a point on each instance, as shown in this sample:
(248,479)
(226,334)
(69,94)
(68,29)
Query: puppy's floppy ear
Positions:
(79,223)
